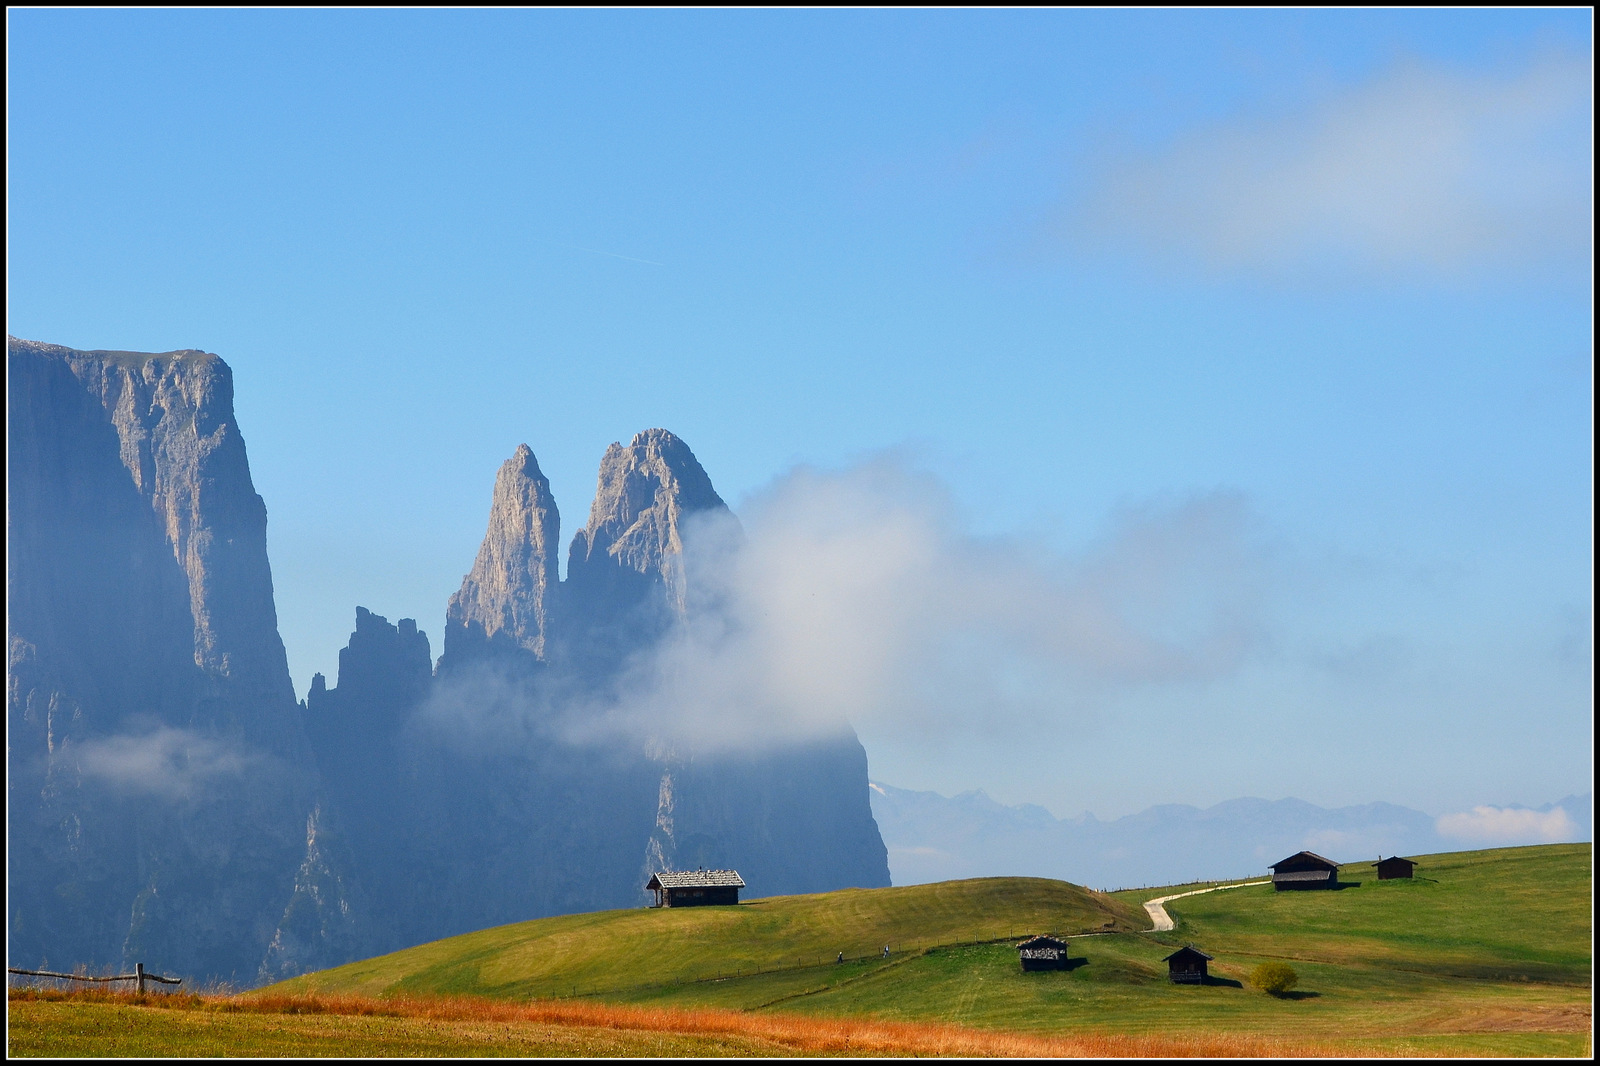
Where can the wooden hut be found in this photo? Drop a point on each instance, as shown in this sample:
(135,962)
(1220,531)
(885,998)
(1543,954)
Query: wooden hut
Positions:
(696,888)
(1304,870)
(1393,867)
(1187,966)
(1043,953)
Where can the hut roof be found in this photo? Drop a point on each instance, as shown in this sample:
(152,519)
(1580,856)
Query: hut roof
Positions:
(696,879)
(1186,950)
(1042,942)
(1306,855)
(1396,858)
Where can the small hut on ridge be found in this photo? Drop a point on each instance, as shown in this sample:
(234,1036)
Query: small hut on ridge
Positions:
(696,888)
(1043,953)
(1187,966)
(1394,867)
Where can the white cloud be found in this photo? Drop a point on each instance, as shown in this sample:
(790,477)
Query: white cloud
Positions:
(1508,826)
(1419,171)
(168,762)
(857,596)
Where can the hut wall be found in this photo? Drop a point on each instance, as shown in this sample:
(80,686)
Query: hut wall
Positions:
(721,896)
(1044,960)
(1305,885)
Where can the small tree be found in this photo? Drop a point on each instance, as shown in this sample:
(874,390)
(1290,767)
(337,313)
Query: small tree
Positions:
(1274,978)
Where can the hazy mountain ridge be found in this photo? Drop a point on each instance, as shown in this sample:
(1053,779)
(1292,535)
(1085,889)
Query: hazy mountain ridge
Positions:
(932,837)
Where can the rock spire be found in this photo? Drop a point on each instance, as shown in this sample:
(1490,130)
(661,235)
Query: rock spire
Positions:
(505,602)
(625,579)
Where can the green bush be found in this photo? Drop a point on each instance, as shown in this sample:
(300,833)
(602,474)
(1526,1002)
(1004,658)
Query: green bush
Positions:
(1274,978)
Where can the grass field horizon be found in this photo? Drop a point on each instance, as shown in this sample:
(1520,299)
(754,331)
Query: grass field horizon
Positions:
(1484,953)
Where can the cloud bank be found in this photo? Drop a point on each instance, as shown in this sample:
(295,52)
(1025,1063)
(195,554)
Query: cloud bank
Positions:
(1421,171)
(857,596)
(1509,826)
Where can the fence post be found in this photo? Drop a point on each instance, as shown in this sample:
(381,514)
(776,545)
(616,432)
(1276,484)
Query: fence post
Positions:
(138,970)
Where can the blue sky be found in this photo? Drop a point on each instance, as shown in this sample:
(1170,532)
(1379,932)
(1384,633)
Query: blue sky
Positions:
(1282,315)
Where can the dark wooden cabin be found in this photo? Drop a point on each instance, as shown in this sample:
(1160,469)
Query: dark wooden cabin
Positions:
(1393,867)
(1043,953)
(696,888)
(1303,870)
(1187,966)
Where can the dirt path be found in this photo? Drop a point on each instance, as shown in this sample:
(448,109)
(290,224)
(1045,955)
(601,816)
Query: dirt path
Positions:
(1162,921)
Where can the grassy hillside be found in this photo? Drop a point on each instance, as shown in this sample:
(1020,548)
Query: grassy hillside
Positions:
(1484,952)
(1509,914)
(791,939)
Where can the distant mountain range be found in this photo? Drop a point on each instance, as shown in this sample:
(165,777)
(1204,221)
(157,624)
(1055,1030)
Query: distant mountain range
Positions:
(938,838)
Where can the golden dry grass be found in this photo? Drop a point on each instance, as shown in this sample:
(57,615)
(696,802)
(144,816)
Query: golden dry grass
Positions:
(803,1034)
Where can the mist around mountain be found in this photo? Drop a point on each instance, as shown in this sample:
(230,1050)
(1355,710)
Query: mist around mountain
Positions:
(937,838)
(170,803)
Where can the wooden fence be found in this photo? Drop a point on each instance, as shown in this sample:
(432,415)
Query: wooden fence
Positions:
(138,975)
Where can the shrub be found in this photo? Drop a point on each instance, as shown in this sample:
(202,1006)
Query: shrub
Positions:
(1274,978)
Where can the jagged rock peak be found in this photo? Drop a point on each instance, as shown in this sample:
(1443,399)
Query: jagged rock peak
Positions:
(645,491)
(384,656)
(506,599)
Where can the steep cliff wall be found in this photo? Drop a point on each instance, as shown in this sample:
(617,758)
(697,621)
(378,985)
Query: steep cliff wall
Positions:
(458,807)
(792,820)
(158,774)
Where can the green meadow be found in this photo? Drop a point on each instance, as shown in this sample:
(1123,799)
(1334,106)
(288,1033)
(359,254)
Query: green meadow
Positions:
(1483,953)
(792,940)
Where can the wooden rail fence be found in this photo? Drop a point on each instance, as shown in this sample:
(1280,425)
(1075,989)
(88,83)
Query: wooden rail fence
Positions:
(138,975)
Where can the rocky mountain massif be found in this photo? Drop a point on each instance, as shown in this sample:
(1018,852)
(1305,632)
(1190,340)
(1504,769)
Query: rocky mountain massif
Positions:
(169,801)
(159,779)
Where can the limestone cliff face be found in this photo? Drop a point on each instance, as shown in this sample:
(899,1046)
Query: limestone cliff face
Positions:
(457,811)
(798,819)
(645,492)
(506,600)
(181,448)
(625,577)
(367,851)
(158,774)
(793,820)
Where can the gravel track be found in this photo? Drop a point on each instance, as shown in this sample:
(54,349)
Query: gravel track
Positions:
(1162,921)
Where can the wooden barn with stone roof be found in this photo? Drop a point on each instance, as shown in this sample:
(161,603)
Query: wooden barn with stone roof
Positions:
(1304,870)
(696,888)
(1043,953)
